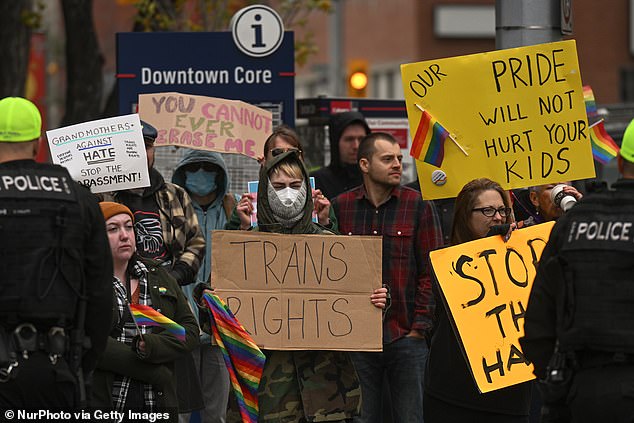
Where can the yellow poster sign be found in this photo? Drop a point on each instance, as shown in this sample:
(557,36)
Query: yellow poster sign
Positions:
(486,284)
(518,114)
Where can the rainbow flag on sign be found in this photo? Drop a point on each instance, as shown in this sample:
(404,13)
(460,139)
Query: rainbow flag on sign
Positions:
(428,144)
(591,105)
(604,148)
(243,358)
(146,316)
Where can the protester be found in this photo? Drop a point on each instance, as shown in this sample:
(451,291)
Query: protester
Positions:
(410,230)
(282,139)
(204,176)
(301,385)
(345,132)
(166,225)
(136,371)
(451,393)
(56,266)
(167,231)
(541,208)
(578,324)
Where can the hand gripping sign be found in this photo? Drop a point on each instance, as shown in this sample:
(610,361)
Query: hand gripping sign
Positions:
(486,284)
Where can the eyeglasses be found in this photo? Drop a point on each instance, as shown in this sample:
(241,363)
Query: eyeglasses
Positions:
(490,211)
(279,150)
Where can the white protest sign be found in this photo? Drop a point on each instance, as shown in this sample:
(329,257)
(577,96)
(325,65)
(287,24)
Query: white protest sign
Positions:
(104,155)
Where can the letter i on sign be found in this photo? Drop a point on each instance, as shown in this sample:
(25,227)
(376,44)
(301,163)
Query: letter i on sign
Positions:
(257,28)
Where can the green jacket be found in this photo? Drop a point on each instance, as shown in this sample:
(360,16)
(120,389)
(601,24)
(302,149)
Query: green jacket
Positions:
(157,367)
(317,386)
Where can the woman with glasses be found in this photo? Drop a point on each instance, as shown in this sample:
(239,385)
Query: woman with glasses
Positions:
(450,391)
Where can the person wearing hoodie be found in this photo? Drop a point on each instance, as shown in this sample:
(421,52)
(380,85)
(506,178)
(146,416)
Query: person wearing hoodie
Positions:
(300,386)
(345,131)
(204,176)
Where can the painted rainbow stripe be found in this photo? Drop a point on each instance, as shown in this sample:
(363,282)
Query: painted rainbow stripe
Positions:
(243,358)
(428,144)
(604,148)
(147,316)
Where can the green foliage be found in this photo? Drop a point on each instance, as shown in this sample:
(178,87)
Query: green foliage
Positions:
(215,15)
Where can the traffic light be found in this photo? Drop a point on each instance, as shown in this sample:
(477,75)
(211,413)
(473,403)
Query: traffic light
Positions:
(357,78)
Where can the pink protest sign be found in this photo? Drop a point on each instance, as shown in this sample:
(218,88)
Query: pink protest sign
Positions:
(206,123)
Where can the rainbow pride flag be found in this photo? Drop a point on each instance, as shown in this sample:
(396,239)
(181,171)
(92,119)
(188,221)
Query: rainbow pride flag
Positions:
(146,316)
(243,358)
(591,105)
(428,144)
(604,148)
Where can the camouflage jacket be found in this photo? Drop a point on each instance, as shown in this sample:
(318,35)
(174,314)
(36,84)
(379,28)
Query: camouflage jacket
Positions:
(308,386)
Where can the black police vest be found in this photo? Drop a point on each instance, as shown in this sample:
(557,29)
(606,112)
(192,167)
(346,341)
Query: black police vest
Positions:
(597,256)
(41,249)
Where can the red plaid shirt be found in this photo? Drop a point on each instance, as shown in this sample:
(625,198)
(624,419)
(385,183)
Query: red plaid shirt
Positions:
(410,230)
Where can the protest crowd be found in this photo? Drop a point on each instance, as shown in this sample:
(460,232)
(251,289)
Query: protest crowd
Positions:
(338,295)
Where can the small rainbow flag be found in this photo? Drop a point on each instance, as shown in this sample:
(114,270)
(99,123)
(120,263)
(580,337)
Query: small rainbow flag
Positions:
(604,148)
(591,105)
(243,358)
(428,144)
(146,316)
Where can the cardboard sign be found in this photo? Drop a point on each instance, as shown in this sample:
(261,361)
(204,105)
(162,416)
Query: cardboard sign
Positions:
(519,114)
(486,284)
(206,123)
(104,155)
(301,292)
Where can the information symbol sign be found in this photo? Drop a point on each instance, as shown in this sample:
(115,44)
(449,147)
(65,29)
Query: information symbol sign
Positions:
(257,30)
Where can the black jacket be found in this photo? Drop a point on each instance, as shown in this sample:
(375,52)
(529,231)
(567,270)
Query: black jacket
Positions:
(339,177)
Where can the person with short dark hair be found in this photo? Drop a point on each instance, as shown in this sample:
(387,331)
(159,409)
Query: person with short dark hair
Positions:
(345,132)
(579,321)
(410,230)
(56,289)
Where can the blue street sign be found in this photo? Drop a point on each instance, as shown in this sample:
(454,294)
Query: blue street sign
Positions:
(210,64)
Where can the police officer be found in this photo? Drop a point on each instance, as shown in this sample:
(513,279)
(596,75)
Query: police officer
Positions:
(55,273)
(579,323)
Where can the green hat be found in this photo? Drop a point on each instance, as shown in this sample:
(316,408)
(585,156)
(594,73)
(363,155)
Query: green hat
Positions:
(627,144)
(20,120)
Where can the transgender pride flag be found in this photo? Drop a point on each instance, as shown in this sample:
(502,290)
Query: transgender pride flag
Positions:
(428,144)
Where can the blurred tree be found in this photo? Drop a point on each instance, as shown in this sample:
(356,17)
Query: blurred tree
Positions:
(16,22)
(84,62)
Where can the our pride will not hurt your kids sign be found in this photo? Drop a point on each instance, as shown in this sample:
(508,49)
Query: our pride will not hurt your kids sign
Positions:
(519,114)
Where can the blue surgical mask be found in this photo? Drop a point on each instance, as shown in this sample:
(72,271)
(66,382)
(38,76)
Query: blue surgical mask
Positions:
(201,182)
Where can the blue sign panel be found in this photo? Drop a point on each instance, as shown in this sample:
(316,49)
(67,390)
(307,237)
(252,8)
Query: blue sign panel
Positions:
(205,63)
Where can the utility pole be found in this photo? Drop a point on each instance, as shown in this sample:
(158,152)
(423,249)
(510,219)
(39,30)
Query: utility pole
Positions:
(526,22)
(336,49)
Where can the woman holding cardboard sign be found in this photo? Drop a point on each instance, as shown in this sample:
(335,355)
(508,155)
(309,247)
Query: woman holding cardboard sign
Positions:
(301,385)
(450,390)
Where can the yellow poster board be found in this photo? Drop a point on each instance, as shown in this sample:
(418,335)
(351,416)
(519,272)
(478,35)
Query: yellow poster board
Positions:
(486,284)
(519,114)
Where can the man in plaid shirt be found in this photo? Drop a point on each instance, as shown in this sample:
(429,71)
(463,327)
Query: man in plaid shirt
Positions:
(410,229)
